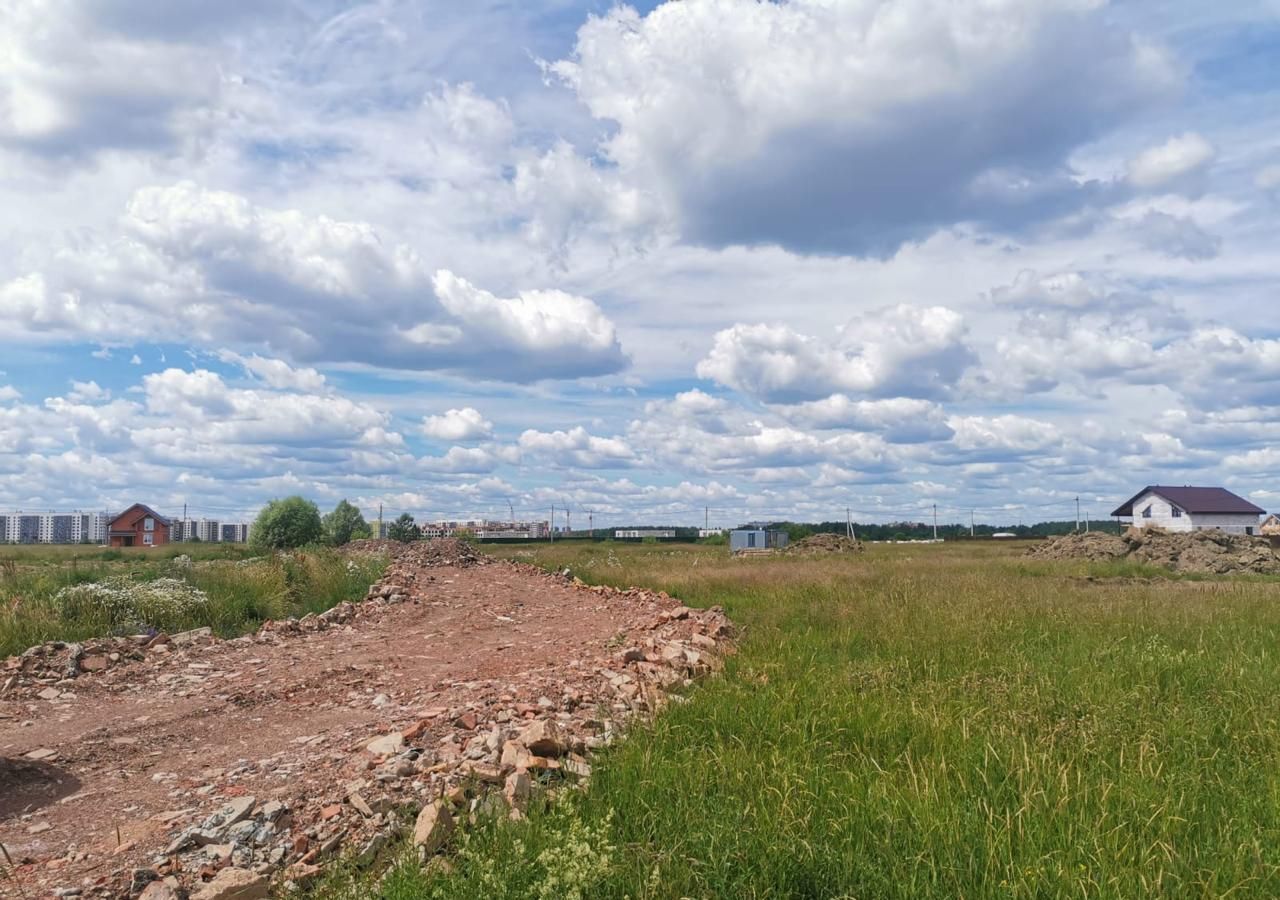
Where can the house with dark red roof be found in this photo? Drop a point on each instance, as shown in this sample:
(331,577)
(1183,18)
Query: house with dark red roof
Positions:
(1189,508)
(139,526)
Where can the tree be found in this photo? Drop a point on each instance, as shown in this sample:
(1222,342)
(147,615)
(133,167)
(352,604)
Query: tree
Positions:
(404,530)
(286,524)
(345,524)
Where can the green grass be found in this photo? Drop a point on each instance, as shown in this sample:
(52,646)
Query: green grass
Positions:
(243,590)
(940,721)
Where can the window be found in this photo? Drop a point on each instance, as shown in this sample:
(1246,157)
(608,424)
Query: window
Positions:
(1248,529)
(148,524)
(1146,513)
(1177,513)
(146,539)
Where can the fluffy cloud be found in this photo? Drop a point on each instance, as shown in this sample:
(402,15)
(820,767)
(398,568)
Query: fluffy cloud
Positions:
(276,373)
(902,351)
(466,424)
(1172,162)
(854,126)
(902,420)
(577,447)
(8,392)
(211,267)
(72,81)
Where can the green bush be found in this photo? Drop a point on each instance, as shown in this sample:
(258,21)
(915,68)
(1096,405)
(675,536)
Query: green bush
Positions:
(287,524)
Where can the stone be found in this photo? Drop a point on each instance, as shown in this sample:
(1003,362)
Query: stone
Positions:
(39,828)
(467,720)
(49,694)
(518,788)
(433,827)
(361,805)
(387,745)
(186,638)
(158,890)
(93,663)
(44,754)
(235,810)
(544,738)
(234,884)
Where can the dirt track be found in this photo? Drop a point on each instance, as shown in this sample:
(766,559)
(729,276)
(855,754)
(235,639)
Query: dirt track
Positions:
(146,747)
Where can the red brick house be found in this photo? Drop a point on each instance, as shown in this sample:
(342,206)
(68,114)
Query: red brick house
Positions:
(139,526)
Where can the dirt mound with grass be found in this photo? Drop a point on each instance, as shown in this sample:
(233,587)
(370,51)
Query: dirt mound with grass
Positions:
(1200,552)
(818,544)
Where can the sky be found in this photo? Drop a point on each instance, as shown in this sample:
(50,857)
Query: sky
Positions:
(702,260)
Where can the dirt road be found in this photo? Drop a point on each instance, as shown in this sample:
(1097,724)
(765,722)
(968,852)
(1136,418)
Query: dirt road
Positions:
(114,763)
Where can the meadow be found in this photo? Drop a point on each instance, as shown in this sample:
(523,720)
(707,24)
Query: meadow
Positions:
(71,593)
(918,721)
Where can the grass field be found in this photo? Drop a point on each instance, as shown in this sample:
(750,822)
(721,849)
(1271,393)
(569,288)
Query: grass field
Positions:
(926,721)
(39,601)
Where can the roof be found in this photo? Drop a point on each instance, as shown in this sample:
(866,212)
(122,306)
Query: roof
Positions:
(147,510)
(1194,500)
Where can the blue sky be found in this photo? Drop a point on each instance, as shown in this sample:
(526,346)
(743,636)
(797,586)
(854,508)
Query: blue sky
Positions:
(772,259)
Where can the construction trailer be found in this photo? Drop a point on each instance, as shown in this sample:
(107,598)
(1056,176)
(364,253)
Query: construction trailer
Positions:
(748,540)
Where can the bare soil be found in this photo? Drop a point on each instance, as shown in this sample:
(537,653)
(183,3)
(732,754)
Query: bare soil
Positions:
(108,766)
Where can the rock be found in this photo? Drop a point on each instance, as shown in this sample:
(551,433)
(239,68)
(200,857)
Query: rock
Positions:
(467,720)
(387,745)
(158,890)
(234,884)
(544,738)
(361,805)
(93,663)
(233,811)
(186,638)
(49,694)
(517,790)
(433,827)
(44,754)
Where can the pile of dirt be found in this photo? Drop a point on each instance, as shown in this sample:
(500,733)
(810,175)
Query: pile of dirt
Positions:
(1094,546)
(818,544)
(233,767)
(423,554)
(1202,552)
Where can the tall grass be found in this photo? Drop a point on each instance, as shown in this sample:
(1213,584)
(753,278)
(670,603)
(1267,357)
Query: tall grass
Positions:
(925,722)
(242,592)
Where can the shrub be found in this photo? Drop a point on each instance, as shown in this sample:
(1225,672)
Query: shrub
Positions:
(345,524)
(287,524)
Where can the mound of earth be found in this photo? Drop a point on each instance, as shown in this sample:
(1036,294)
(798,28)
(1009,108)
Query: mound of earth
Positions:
(817,544)
(423,554)
(1203,552)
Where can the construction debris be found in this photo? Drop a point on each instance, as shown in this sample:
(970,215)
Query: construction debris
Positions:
(821,544)
(226,769)
(1210,552)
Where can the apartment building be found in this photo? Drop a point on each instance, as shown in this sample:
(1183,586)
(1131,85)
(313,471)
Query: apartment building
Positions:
(54,527)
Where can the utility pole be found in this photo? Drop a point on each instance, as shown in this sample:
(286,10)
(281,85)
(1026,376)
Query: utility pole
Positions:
(935,521)
(511,509)
(970,523)
(380,520)
(591,523)
(1077,513)
(706,518)
(185,536)
(551,534)
(568,519)
(1086,521)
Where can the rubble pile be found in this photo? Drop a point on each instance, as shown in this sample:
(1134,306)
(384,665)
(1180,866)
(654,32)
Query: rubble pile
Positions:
(441,755)
(1209,552)
(48,668)
(820,544)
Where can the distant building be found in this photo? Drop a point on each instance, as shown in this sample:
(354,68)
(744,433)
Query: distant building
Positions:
(711,532)
(139,526)
(1190,509)
(746,539)
(235,533)
(1270,525)
(639,534)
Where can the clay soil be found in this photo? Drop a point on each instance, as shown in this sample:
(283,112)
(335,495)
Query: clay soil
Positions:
(123,757)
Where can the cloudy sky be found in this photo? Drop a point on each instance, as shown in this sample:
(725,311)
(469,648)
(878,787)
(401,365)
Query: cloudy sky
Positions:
(774,259)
